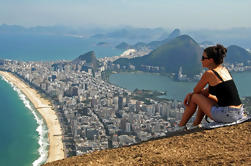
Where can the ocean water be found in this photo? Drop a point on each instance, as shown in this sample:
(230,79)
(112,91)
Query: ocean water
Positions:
(23,133)
(51,48)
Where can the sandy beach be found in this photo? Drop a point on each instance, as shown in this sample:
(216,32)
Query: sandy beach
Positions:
(43,106)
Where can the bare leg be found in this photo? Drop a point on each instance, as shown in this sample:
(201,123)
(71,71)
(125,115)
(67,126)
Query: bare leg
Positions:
(188,113)
(200,113)
(199,116)
(204,103)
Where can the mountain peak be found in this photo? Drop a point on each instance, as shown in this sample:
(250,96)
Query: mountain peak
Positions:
(86,57)
(186,37)
(175,33)
(236,54)
(89,58)
(182,51)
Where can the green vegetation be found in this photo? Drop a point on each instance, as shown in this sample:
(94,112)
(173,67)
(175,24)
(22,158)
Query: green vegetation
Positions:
(156,44)
(236,54)
(89,58)
(123,46)
(147,95)
(182,51)
(102,44)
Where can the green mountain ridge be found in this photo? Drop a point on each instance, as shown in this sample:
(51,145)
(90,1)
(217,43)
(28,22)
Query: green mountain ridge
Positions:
(123,46)
(155,44)
(182,51)
(89,58)
(236,54)
(152,45)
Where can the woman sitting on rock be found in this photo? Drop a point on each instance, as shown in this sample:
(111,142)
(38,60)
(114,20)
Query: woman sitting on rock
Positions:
(220,101)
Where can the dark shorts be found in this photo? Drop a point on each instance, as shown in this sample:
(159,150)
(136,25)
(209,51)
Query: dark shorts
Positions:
(226,114)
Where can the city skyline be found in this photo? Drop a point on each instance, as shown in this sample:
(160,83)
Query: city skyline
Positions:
(150,14)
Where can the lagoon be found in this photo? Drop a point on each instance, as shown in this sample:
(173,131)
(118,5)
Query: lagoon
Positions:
(175,90)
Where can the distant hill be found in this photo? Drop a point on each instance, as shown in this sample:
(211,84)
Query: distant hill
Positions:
(152,44)
(238,36)
(89,58)
(206,44)
(138,33)
(176,32)
(38,30)
(236,54)
(182,51)
(155,44)
(123,46)
(139,45)
(131,34)
(102,44)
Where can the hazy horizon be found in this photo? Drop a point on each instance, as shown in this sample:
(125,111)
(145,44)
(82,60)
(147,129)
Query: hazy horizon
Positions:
(124,26)
(192,15)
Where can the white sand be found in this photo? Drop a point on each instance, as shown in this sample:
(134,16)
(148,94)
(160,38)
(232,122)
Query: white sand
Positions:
(43,106)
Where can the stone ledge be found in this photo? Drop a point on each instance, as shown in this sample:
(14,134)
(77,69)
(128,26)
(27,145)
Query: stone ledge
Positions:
(221,146)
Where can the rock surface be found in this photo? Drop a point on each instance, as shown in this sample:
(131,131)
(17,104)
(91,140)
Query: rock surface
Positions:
(221,146)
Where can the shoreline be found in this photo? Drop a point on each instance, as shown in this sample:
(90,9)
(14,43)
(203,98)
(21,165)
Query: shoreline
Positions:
(43,106)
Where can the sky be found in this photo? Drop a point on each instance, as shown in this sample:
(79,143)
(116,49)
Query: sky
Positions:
(184,14)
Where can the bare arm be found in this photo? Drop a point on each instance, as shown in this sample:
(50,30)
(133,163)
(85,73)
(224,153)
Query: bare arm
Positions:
(199,88)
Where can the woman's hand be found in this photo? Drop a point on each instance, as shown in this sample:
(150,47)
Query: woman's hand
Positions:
(205,92)
(187,99)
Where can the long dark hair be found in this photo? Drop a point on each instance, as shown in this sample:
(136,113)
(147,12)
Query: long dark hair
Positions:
(217,52)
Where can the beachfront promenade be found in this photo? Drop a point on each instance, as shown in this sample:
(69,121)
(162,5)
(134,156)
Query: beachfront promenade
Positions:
(43,106)
(94,114)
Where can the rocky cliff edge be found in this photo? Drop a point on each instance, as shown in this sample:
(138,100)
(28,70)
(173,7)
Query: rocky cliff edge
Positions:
(221,146)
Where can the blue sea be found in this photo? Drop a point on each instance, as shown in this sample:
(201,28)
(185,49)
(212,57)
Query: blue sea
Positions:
(51,47)
(23,133)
